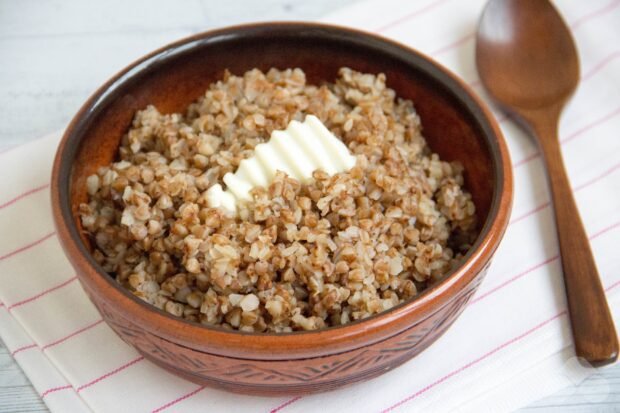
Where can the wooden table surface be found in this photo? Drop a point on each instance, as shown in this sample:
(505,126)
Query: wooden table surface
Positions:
(54,53)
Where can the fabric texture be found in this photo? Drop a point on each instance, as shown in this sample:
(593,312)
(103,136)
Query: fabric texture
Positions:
(512,344)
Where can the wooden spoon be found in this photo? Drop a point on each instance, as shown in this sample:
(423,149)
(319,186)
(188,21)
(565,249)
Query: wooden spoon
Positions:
(528,62)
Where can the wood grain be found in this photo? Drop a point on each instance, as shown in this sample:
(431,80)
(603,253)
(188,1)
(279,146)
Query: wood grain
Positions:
(593,328)
(16,393)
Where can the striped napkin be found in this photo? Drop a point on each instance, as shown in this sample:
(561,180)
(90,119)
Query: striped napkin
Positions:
(511,345)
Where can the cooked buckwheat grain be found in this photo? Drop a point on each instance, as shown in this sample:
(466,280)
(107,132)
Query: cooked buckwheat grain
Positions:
(298,257)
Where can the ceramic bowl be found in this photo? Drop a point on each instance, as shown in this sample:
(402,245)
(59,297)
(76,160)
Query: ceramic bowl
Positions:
(456,124)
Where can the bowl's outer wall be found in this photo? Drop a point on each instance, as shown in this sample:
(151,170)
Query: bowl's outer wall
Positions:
(289,377)
(456,125)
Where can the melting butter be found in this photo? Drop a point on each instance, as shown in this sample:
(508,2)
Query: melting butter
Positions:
(297,151)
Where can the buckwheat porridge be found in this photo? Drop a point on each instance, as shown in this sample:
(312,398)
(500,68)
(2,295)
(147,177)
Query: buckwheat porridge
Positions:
(296,256)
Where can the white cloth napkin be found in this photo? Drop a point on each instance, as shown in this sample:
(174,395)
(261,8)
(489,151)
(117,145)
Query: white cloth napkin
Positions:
(511,345)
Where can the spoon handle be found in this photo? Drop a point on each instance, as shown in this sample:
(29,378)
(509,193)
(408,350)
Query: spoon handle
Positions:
(593,327)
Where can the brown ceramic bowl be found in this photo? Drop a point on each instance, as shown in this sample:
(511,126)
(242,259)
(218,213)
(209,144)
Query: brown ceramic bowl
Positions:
(456,124)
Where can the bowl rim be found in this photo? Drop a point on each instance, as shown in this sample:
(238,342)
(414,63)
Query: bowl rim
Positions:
(219,341)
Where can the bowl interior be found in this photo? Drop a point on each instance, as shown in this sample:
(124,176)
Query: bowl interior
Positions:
(172,79)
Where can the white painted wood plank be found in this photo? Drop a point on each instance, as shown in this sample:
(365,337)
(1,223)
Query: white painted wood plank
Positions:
(241,11)
(35,18)
(48,78)
(16,393)
(600,392)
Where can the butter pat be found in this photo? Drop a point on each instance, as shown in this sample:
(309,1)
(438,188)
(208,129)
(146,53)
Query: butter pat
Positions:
(297,151)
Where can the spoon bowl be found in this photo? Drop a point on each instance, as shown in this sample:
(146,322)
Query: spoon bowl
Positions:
(526,69)
(528,61)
